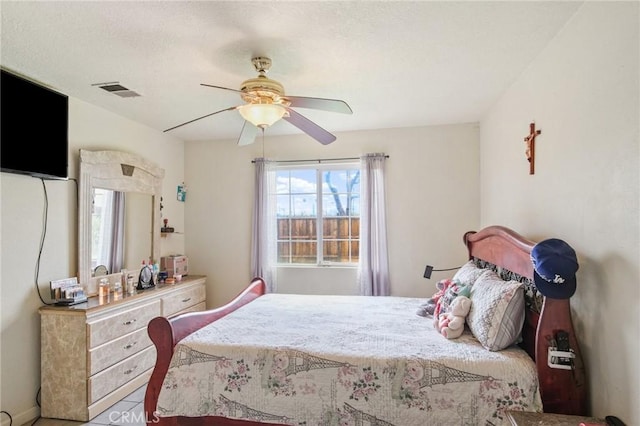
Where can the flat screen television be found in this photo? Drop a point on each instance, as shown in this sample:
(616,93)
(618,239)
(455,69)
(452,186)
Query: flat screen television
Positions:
(34,129)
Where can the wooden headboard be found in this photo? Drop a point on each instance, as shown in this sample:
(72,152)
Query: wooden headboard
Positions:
(562,391)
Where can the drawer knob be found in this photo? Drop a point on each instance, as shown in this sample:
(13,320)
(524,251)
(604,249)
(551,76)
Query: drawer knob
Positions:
(186,300)
(129,322)
(130,345)
(129,371)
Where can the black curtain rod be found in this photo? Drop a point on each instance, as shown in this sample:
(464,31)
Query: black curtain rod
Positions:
(317,160)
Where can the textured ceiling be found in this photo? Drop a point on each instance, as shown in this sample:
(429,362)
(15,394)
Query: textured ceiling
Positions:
(396,63)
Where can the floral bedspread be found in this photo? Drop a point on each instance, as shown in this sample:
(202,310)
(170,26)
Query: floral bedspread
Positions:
(343,360)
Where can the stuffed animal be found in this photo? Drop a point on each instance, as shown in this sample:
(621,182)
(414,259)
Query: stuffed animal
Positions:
(451,290)
(429,307)
(451,323)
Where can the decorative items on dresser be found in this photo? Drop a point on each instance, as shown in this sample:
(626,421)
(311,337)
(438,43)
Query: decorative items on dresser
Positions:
(95,353)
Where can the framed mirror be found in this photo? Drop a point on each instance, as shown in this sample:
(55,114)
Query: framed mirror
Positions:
(125,173)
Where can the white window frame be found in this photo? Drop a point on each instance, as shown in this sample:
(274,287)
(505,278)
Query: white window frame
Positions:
(319,168)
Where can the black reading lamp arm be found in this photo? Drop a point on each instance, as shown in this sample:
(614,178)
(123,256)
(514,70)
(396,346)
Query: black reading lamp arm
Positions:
(429,269)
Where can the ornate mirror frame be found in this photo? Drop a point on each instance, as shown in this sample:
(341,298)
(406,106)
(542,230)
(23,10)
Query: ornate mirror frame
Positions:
(117,171)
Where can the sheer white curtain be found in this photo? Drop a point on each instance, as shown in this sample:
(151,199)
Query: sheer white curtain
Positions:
(373,272)
(264,246)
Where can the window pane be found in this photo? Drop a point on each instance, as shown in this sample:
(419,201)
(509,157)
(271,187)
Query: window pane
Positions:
(355,250)
(304,252)
(304,205)
(284,251)
(304,229)
(354,181)
(344,230)
(284,227)
(337,251)
(340,227)
(355,227)
(354,205)
(330,228)
(303,181)
(330,252)
(282,181)
(283,208)
(335,205)
(334,180)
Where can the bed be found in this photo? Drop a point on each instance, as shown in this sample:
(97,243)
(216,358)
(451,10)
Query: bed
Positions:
(215,367)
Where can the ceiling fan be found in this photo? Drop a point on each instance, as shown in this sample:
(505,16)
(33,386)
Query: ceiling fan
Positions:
(266,103)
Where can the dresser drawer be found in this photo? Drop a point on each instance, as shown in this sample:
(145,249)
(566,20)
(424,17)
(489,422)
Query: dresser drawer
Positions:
(195,308)
(116,350)
(181,300)
(117,375)
(121,323)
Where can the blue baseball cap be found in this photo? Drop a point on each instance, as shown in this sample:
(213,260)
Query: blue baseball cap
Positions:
(554,268)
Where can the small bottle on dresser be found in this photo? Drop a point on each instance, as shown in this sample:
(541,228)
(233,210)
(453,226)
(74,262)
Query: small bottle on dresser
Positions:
(117,290)
(131,286)
(104,290)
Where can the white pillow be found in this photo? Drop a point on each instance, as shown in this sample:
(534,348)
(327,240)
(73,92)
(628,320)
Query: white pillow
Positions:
(497,311)
(468,273)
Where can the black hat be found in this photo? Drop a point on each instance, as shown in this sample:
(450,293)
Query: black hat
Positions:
(554,268)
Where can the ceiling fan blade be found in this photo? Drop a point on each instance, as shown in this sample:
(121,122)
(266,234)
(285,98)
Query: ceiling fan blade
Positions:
(200,118)
(332,105)
(244,94)
(220,87)
(248,134)
(309,127)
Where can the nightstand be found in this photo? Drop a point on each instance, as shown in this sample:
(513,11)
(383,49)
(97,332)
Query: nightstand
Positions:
(526,418)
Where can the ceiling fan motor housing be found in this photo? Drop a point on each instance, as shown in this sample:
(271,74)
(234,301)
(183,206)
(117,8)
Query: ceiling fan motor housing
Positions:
(262,90)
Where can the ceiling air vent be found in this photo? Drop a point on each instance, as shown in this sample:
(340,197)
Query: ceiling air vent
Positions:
(117,89)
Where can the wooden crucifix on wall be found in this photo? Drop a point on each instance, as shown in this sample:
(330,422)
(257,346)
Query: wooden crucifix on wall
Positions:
(530,140)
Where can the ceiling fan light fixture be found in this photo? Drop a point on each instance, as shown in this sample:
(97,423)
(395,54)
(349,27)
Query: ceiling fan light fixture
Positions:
(262,115)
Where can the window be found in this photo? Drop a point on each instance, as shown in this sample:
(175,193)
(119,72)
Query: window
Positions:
(318,214)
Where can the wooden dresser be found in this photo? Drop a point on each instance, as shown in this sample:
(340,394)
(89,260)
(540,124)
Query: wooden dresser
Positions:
(95,353)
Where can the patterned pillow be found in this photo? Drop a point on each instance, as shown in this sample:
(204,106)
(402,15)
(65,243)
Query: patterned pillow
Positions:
(497,311)
(468,273)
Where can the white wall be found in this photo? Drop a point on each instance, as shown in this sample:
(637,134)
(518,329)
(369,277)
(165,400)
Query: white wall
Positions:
(432,199)
(583,93)
(22,207)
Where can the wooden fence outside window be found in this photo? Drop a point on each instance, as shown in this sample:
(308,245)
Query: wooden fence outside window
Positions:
(297,239)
